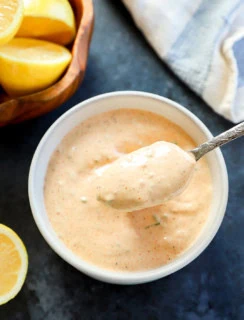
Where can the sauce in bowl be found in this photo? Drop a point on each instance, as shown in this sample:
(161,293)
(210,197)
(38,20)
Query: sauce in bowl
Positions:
(112,239)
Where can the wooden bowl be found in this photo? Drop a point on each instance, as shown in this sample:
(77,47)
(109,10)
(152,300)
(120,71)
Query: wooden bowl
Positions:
(14,110)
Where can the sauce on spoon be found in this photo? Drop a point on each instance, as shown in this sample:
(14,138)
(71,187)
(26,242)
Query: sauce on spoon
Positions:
(146,177)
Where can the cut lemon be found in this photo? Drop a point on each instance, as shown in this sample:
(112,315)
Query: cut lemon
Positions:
(11,15)
(13,264)
(51,20)
(30,65)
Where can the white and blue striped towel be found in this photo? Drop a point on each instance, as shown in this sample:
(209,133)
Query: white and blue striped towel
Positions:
(203,43)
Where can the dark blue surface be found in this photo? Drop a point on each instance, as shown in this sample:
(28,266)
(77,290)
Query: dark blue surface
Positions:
(212,287)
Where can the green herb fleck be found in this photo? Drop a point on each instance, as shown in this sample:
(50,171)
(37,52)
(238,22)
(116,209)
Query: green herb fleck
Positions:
(156,218)
(152,225)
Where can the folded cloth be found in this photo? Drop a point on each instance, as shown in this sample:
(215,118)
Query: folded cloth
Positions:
(202,41)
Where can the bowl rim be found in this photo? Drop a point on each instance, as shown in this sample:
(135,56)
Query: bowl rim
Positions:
(109,275)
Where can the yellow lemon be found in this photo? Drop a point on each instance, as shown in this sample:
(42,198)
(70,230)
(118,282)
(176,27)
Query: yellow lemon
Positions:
(30,65)
(11,15)
(51,20)
(13,264)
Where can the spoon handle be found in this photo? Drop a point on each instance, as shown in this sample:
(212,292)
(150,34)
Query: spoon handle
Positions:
(219,140)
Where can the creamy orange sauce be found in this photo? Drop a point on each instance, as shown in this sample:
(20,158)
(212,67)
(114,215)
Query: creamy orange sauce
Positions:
(102,235)
(146,177)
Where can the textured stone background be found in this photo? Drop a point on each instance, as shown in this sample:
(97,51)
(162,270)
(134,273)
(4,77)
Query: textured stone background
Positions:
(212,287)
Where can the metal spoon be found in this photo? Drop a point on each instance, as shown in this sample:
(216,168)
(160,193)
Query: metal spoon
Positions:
(127,194)
(223,138)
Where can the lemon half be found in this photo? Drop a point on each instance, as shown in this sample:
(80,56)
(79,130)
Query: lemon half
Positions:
(11,15)
(51,20)
(30,65)
(13,264)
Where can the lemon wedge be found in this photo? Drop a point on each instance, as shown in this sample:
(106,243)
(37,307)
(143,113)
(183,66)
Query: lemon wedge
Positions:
(30,65)
(13,264)
(51,20)
(11,15)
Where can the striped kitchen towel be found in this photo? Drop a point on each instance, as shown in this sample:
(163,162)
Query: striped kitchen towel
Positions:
(202,41)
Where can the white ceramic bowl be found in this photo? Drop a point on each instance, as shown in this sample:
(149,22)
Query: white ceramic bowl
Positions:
(116,100)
